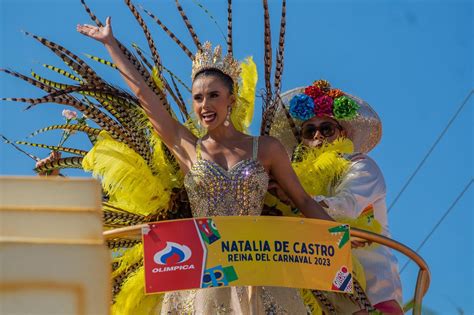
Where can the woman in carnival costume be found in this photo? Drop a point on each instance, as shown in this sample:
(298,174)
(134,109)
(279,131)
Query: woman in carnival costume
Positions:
(226,172)
(328,133)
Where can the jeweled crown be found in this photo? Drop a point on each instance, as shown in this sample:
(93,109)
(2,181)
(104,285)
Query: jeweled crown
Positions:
(206,58)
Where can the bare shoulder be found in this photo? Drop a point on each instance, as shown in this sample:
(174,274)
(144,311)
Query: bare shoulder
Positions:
(270,149)
(269,143)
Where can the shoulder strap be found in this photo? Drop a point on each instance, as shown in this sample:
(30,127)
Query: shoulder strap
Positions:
(198,149)
(255,148)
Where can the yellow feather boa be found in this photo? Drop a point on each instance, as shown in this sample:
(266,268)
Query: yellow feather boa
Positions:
(138,188)
(126,177)
(132,299)
(319,168)
(242,113)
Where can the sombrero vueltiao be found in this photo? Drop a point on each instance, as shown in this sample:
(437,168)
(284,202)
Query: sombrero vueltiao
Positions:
(364,129)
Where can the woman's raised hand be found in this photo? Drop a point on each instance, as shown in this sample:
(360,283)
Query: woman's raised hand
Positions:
(102,34)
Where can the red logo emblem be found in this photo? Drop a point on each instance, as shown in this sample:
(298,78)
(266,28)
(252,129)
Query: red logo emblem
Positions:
(174,256)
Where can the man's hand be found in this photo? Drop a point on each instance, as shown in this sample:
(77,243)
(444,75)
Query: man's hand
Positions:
(360,243)
(53,156)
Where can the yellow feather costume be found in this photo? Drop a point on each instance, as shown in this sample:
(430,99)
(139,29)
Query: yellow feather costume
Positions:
(140,189)
(242,113)
(132,185)
(126,177)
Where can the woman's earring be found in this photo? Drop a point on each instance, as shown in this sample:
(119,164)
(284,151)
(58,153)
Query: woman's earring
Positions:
(227,118)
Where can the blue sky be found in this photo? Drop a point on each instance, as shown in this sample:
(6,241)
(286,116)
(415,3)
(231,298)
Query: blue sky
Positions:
(411,60)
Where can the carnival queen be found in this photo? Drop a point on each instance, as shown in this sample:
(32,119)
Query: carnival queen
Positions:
(226,171)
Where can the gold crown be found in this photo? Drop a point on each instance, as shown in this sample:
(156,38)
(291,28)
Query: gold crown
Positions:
(206,59)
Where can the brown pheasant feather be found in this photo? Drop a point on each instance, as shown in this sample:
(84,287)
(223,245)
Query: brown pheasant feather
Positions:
(181,104)
(170,33)
(130,126)
(324,302)
(177,100)
(76,127)
(92,15)
(69,162)
(31,81)
(32,101)
(361,297)
(146,31)
(118,107)
(102,61)
(115,216)
(53,84)
(78,64)
(268,50)
(229,27)
(154,52)
(105,122)
(118,280)
(54,148)
(135,63)
(144,74)
(63,72)
(142,56)
(281,50)
(121,243)
(127,113)
(268,112)
(190,28)
(7,141)
(177,79)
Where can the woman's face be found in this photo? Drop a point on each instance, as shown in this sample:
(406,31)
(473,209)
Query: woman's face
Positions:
(211,101)
(319,130)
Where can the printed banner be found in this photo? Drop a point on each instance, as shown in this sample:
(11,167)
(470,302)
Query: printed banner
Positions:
(247,250)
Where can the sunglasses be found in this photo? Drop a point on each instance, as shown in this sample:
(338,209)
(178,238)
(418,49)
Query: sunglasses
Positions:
(327,129)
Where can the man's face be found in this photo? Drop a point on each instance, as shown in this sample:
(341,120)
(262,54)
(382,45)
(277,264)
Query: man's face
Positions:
(318,130)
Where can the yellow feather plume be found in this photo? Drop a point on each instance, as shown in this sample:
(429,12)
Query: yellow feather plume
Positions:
(132,298)
(318,168)
(358,272)
(127,259)
(311,302)
(126,177)
(168,170)
(242,113)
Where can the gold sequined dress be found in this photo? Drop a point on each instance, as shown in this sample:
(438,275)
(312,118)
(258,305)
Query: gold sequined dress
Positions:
(215,191)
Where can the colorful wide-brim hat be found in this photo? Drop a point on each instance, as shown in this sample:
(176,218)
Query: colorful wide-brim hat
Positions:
(361,122)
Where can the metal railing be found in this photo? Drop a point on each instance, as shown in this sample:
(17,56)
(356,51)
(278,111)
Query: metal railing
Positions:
(422,282)
(423,279)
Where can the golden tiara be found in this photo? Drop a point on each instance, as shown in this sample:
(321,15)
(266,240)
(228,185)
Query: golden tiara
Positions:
(206,58)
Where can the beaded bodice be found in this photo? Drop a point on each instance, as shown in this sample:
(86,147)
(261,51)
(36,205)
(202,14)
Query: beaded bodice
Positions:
(214,191)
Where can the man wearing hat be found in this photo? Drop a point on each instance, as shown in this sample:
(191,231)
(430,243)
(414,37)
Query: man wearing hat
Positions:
(328,134)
